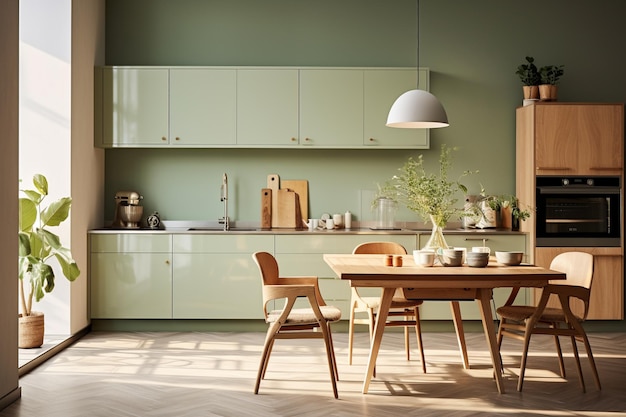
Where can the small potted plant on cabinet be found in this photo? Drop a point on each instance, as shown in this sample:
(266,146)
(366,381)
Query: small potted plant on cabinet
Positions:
(38,245)
(530,78)
(550,76)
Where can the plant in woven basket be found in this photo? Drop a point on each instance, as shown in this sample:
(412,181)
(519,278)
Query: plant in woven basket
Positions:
(38,245)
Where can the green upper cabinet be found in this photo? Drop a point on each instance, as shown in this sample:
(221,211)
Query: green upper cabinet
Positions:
(203,106)
(331,107)
(381,88)
(267,107)
(253,107)
(135,109)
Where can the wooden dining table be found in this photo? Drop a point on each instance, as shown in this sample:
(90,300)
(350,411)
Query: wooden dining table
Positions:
(436,283)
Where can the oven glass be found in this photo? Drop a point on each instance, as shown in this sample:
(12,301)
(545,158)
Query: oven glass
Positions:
(572,218)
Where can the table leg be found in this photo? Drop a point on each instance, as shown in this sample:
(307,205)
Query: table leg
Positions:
(460,333)
(484,299)
(379,328)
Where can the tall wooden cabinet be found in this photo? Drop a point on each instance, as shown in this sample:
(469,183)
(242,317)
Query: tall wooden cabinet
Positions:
(566,139)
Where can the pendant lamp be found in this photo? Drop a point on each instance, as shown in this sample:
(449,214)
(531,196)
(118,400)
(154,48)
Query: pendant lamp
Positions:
(417,109)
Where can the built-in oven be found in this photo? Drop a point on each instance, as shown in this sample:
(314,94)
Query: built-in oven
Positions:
(578,211)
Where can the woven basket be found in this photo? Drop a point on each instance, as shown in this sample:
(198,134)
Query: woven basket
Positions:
(31,329)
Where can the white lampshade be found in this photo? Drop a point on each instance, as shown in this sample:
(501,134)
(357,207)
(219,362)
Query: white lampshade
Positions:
(417,109)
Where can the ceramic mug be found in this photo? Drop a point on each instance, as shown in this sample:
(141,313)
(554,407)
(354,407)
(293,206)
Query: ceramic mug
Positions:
(338,219)
(330,224)
(424,257)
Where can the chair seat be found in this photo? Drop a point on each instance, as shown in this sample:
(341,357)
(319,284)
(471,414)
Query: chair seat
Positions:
(521,313)
(305,315)
(374,302)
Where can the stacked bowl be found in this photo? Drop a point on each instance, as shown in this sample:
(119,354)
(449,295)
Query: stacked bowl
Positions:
(477,259)
(451,257)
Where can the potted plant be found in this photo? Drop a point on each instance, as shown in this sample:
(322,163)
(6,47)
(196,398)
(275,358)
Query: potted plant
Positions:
(37,246)
(530,78)
(431,195)
(550,76)
(517,213)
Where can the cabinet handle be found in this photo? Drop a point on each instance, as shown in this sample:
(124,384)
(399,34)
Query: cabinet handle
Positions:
(167,262)
(163,138)
(372,140)
(480,239)
(307,139)
(177,138)
(605,168)
(553,168)
(294,139)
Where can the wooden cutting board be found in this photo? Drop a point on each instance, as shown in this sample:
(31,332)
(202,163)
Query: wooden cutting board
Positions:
(273,183)
(287,207)
(266,208)
(301,187)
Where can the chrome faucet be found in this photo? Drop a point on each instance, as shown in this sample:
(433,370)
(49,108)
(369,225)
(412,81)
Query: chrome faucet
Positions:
(224,198)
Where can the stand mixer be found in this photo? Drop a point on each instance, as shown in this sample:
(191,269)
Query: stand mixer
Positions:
(128,212)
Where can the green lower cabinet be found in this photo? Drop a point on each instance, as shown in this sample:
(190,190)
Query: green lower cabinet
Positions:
(215,277)
(131,286)
(131,276)
(216,286)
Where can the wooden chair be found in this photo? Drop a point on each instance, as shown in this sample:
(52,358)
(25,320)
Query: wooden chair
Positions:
(521,322)
(400,306)
(290,322)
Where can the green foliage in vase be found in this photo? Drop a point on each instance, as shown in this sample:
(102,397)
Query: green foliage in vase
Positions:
(433,196)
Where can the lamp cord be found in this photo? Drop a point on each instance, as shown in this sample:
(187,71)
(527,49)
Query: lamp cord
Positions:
(417,41)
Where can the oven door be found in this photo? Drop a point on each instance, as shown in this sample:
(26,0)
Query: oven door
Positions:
(578,216)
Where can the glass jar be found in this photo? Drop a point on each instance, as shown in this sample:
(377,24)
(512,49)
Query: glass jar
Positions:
(386,213)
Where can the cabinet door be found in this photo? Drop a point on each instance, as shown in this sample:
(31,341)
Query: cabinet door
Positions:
(131,285)
(583,139)
(135,107)
(331,108)
(607,290)
(202,106)
(381,89)
(216,286)
(267,107)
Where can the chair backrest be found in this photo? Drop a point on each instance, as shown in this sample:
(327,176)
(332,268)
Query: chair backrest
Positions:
(577,266)
(268,266)
(382,248)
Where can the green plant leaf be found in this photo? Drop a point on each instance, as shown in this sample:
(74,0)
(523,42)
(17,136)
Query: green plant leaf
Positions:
(41,183)
(50,239)
(69,266)
(27,214)
(34,196)
(56,212)
(24,244)
(42,279)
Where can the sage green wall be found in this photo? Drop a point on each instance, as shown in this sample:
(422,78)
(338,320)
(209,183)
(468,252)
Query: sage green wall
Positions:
(472,49)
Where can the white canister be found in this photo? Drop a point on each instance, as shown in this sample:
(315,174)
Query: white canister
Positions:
(330,224)
(347,220)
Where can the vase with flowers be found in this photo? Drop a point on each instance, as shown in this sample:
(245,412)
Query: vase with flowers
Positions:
(433,196)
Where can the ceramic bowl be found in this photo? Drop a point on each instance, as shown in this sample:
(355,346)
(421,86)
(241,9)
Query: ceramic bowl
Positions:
(509,258)
(477,259)
(451,257)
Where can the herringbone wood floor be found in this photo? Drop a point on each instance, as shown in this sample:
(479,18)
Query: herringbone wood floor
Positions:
(212,374)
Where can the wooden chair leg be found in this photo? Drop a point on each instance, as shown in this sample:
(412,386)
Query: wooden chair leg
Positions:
(407,346)
(330,356)
(592,362)
(559,352)
(351,334)
(522,368)
(332,349)
(578,367)
(265,356)
(418,334)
